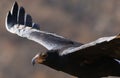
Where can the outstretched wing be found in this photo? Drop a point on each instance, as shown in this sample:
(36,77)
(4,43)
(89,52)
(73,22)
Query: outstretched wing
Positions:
(20,23)
(105,46)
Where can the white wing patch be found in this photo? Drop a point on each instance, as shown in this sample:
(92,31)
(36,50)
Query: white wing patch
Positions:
(23,31)
(20,23)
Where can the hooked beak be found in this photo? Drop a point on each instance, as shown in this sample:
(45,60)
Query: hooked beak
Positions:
(33,61)
(39,58)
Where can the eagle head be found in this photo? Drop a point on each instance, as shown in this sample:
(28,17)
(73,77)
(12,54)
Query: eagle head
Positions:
(39,58)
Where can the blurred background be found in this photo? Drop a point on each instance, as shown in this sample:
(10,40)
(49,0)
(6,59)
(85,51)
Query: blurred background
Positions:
(79,20)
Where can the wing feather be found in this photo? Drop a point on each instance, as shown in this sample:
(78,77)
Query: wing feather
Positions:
(20,23)
(105,46)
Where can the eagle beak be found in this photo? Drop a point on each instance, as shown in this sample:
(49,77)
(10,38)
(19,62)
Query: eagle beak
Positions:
(39,58)
(33,61)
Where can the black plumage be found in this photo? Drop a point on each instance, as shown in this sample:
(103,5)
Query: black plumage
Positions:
(91,60)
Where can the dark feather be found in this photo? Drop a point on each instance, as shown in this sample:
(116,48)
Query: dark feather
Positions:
(28,21)
(15,12)
(94,59)
(21,16)
(36,26)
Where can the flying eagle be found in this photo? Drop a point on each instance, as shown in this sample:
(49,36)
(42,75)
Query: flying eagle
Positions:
(63,54)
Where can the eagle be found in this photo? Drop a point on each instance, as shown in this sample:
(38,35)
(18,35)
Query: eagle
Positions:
(64,54)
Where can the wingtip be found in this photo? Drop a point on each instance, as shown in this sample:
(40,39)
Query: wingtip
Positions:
(17,15)
(9,13)
(21,16)
(7,22)
(11,17)
(15,2)
(21,8)
(14,7)
(28,20)
(36,26)
(8,17)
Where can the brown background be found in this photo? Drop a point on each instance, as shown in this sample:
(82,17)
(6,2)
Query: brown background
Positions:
(79,20)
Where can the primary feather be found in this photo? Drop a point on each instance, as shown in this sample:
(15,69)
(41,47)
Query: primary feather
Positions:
(20,23)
